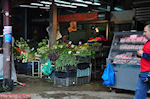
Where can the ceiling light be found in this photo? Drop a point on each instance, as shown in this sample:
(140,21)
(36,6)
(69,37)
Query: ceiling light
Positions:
(63,5)
(62,2)
(47,5)
(87,2)
(78,4)
(96,3)
(118,9)
(79,0)
(28,6)
(36,4)
(58,4)
(46,2)
(44,8)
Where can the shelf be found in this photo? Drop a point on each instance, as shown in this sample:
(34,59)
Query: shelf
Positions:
(124,50)
(135,43)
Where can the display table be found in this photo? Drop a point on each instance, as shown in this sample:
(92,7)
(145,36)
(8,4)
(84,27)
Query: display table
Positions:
(124,60)
(126,76)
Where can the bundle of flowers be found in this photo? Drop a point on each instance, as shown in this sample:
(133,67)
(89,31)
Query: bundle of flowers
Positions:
(24,52)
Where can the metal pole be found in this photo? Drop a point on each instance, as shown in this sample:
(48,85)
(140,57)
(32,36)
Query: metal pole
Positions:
(6,39)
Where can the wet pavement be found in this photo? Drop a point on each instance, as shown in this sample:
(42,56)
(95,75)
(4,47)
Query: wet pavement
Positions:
(80,95)
(45,89)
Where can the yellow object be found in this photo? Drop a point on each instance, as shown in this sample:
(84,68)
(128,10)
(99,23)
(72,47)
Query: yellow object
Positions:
(73,26)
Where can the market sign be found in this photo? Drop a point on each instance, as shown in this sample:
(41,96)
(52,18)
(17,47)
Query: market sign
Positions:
(77,17)
(73,26)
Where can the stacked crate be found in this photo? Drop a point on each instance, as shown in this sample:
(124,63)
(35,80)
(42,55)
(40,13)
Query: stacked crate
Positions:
(79,75)
(67,78)
(83,73)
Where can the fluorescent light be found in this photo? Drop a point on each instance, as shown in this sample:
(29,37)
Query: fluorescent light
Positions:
(62,2)
(28,6)
(44,7)
(46,2)
(96,3)
(78,4)
(79,0)
(47,5)
(58,4)
(87,2)
(118,9)
(63,5)
(68,6)
(36,4)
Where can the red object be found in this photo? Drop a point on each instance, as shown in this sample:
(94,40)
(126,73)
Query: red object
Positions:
(19,50)
(23,84)
(15,96)
(77,17)
(127,56)
(91,38)
(145,64)
(98,38)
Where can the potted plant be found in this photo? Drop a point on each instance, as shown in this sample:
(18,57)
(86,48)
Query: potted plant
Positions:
(65,65)
(24,55)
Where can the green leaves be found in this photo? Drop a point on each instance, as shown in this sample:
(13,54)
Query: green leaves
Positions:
(64,60)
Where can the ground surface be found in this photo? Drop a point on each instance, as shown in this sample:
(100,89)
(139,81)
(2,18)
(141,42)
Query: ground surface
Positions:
(44,89)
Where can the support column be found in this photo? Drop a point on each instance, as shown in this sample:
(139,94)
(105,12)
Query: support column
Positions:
(52,24)
(6,39)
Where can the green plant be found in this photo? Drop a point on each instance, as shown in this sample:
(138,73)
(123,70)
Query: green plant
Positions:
(24,53)
(43,49)
(22,44)
(65,59)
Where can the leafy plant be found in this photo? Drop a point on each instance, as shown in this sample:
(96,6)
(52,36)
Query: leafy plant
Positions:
(43,49)
(22,51)
(22,44)
(53,55)
(65,59)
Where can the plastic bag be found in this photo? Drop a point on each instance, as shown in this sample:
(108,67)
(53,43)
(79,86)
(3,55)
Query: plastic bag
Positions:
(47,69)
(108,75)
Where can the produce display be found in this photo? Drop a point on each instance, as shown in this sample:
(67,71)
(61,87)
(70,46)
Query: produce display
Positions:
(130,47)
(133,39)
(124,48)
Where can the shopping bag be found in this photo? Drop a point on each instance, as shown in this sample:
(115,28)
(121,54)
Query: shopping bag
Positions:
(108,75)
(47,69)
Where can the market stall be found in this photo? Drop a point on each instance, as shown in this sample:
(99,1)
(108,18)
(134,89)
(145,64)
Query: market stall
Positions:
(124,59)
(67,64)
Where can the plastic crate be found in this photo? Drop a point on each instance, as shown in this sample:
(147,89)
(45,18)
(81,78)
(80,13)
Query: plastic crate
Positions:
(83,80)
(83,72)
(60,74)
(83,66)
(68,73)
(65,81)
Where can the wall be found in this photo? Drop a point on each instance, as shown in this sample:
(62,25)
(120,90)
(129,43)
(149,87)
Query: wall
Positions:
(122,16)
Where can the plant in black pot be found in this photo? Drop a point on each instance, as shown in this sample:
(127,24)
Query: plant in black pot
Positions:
(66,64)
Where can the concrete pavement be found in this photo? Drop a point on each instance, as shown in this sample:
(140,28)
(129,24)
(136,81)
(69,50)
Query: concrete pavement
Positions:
(81,95)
